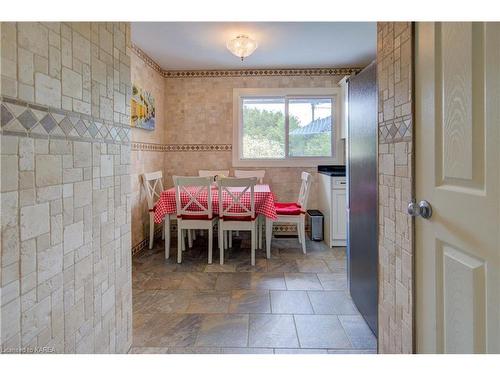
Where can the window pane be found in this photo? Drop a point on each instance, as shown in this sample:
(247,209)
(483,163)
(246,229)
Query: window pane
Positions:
(310,127)
(263,128)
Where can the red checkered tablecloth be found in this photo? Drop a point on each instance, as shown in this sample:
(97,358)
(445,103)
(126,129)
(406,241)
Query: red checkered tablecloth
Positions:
(264,201)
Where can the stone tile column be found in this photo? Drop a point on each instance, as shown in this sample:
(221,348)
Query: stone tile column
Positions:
(395,120)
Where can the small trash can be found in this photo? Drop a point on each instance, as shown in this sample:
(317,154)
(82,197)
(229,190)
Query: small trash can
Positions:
(316,224)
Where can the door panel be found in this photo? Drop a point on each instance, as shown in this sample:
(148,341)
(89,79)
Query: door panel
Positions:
(339,221)
(457,165)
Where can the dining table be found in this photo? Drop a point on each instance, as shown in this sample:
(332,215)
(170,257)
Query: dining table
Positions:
(264,201)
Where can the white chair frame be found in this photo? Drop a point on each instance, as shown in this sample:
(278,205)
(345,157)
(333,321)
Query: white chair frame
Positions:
(153,186)
(260,174)
(213,174)
(248,185)
(201,183)
(305,188)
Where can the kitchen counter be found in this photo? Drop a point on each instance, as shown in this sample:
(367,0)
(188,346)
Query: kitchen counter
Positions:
(332,170)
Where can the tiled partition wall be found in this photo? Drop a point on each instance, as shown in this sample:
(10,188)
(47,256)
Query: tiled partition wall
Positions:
(394,65)
(65,188)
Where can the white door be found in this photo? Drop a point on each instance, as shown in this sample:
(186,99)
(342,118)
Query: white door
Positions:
(457,169)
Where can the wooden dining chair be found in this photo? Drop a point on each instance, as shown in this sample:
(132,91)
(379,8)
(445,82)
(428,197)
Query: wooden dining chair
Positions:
(153,186)
(235,215)
(292,212)
(259,173)
(193,214)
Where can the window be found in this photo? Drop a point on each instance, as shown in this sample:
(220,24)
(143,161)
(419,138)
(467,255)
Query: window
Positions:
(285,127)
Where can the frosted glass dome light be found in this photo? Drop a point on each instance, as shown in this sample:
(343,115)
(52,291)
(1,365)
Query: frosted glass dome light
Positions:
(242,46)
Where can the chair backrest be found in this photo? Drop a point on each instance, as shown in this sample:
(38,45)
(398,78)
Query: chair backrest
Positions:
(208,173)
(305,188)
(153,185)
(256,173)
(236,205)
(192,188)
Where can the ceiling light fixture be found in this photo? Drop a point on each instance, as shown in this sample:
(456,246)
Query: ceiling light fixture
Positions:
(242,46)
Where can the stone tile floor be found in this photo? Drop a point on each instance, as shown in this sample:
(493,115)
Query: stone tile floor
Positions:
(291,303)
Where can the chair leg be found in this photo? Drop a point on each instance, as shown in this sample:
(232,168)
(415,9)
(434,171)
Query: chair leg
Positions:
(252,256)
(299,233)
(210,243)
(151,230)
(269,235)
(166,232)
(230,239)
(303,235)
(194,234)
(221,244)
(190,238)
(180,241)
(226,239)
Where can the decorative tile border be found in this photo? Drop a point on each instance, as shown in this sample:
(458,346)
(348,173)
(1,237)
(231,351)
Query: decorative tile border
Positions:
(32,120)
(259,72)
(396,130)
(240,72)
(141,246)
(145,57)
(156,147)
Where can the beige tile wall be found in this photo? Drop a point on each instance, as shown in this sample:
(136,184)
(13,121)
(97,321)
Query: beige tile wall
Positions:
(394,70)
(146,161)
(210,121)
(65,188)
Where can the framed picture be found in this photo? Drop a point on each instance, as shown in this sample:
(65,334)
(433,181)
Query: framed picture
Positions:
(142,109)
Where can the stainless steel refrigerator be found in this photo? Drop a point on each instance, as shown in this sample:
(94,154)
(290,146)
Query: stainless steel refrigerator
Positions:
(362,224)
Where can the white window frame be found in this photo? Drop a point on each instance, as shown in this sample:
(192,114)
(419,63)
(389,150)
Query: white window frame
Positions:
(289,161)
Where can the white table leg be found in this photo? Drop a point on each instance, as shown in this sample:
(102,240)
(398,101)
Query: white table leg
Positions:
(260,223)
(269,235)
(166,231)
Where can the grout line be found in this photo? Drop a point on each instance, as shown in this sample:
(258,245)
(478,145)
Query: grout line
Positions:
(296,331)
(345,331)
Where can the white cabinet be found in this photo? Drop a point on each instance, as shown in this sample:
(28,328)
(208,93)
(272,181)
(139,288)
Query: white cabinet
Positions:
(339,222)
(344,106)
(332,203)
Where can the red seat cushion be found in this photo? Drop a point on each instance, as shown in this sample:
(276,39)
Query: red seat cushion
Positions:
(196,217)
(288,208)
(237,218)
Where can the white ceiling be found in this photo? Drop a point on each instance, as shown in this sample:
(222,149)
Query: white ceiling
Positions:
(202,45)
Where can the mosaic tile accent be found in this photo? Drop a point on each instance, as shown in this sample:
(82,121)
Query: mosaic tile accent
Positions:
(142,146)
(395,130)
(145,57)
(240,72)
(57,123)
(259,72)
